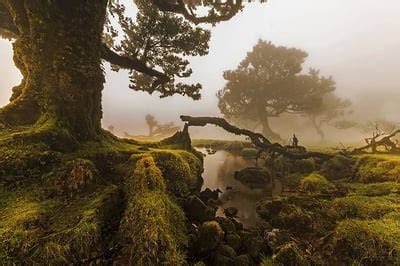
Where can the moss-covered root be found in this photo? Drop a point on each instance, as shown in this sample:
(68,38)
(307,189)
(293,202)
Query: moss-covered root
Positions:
(51,232)
(152,226)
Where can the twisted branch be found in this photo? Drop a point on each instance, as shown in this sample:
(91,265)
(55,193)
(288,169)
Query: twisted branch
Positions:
(257,139)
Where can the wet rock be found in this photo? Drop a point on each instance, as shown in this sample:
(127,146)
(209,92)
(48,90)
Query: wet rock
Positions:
(227,251)
(234,241)
(225,255)
(209,194)
(238,225)
(243,260)
(231,212)
(254,177)
(210,236)
(197,211)
(226,224)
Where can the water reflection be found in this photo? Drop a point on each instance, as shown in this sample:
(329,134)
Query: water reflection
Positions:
(219,170)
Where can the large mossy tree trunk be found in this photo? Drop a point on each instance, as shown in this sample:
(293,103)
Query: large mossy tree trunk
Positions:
(58,52)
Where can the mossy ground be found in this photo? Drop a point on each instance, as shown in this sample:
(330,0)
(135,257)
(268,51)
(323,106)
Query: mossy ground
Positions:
(95,203)
(348,219)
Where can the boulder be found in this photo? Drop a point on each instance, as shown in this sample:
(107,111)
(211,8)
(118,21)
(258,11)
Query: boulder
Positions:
(243,260)
(254,177)
(209,194)
(231,212)
(225,255)
(197,211)
(209,237)
(234,241)
(226,224)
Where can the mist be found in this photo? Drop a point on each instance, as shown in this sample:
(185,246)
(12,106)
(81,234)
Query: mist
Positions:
(354,41)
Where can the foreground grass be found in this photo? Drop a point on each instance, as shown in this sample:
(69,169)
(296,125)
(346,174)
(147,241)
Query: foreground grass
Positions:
(111,200)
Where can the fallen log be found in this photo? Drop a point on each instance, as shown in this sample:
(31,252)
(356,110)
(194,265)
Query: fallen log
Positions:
(384,141)
(257,139)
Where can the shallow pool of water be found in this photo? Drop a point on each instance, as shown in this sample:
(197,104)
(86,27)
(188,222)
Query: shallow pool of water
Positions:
(219,169)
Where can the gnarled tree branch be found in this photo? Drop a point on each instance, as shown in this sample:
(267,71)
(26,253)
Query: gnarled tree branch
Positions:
(135,64)
(384,141)
(179,7)
(257,139)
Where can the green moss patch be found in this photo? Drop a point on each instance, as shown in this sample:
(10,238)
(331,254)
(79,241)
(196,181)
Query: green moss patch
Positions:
(316,183)
(364,207)
(51,231)
(371,169)
(363,242)
(180,169)
(152,226)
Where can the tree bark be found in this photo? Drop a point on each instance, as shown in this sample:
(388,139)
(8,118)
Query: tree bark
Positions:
(58,51)
(267,131)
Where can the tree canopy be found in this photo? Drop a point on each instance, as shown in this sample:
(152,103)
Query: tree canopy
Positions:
(270,82)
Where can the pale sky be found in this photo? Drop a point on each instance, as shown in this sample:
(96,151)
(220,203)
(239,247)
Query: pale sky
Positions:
(355,41)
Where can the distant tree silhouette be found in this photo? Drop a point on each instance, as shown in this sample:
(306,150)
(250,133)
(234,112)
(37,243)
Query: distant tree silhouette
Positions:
(111,128)
(159,130)
(269,82)
(151,123)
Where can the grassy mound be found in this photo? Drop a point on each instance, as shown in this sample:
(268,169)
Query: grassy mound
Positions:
(364,207)
(373,169)
(54,231)
(366,242)
(105,200)
(152,226)
(316,183)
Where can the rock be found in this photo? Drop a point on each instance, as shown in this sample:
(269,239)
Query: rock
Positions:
(243,260)
(238,225)
(231,212)
(210,236)
(234,241)
(227,251)
(225,255)
(209,194)
(254,177)
(197,211)
(226,224)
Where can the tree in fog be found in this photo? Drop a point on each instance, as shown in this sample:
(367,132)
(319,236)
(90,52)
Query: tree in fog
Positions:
(269,82)
(157,129)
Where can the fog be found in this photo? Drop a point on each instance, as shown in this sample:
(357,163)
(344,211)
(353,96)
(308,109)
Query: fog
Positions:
(355,41)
